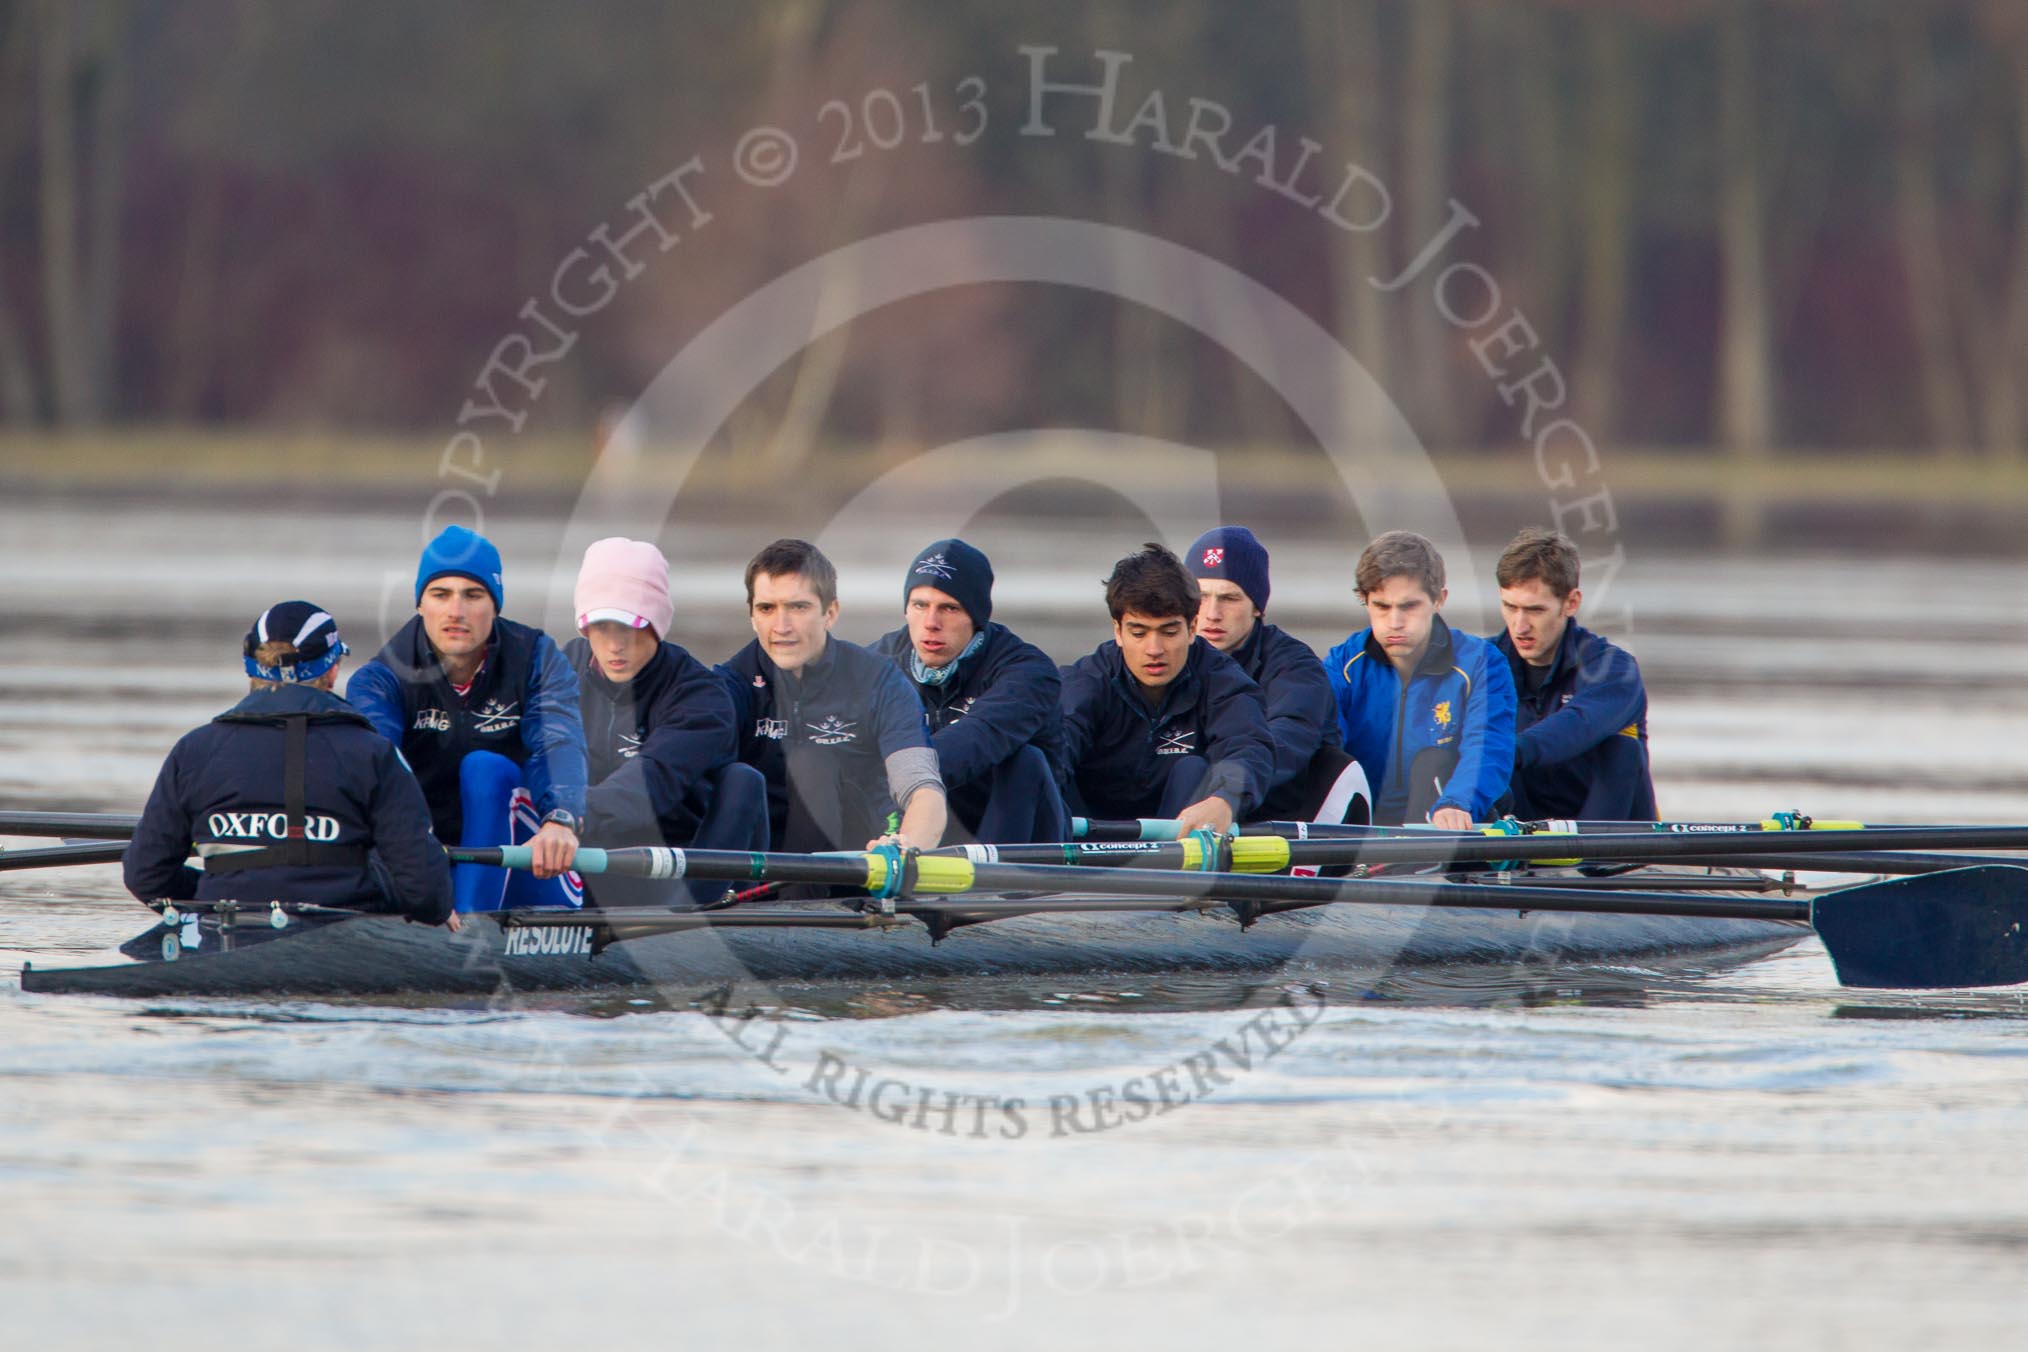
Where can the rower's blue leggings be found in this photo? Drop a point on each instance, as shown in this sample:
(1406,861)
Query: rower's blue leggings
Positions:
(1017,803)
(486,785)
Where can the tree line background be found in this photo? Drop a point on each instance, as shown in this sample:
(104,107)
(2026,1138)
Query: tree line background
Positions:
(1790,223)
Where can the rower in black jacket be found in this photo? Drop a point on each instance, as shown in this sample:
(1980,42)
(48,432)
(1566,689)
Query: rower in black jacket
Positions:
(660,732)
(290,795)
(835,728)
(1157,722)
(1314,780)
(992,700)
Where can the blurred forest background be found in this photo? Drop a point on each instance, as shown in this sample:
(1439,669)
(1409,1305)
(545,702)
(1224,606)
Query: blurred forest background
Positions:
(1753,235)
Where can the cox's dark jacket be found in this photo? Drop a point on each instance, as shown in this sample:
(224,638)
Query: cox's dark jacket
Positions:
(222,792)
(1116,747)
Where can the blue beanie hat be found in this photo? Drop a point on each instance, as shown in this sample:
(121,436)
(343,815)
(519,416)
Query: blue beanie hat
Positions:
(1231,553)
(457,552)
(960,572)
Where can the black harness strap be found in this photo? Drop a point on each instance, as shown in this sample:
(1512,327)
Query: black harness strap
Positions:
(295,793)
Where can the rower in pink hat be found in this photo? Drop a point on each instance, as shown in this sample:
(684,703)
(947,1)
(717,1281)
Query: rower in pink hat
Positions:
(659,726)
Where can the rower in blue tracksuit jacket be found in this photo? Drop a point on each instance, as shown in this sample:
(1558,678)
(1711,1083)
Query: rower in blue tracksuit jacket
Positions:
(522,705)
(1115,757)
(1445,739)
(1581,732)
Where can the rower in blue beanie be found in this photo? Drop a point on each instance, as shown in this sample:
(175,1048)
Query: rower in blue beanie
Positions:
(486,711)
(993,700)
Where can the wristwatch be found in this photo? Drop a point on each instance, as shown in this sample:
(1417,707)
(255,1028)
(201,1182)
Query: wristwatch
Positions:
(563,817)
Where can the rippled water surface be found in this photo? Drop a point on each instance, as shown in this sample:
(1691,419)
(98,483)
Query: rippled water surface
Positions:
(1682,1153)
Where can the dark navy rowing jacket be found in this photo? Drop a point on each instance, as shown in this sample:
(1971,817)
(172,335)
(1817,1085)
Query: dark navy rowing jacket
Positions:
(831,730)
(1116,748)
(651,743)
(1301,712)
(1564,764)
(1459,699)
(1003,697)
(222,788)
(522,704)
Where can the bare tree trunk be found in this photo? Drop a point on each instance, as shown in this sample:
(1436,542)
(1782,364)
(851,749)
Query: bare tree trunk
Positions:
(1342,41)
(1426,181)
(1746,398)
(1538,108)
(63,302)
(193,346)
(17,377)
(2001,396)
(1920,236)
(112,89)
(1612,119)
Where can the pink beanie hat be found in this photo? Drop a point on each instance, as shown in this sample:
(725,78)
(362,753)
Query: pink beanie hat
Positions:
(627,581)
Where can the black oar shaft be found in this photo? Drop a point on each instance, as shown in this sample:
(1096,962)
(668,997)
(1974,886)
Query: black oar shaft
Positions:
(1859,861)
(61,856)
(75,825)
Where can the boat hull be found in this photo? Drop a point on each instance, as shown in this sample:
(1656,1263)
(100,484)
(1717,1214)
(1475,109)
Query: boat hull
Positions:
(366,955)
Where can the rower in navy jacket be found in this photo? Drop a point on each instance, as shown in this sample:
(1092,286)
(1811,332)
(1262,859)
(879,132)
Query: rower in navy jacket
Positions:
(1157,722)
(659,725)
(1426,710)
(992,699)
(1314,780)
(290,794)
(836,728)
(485,710)
(1581,730)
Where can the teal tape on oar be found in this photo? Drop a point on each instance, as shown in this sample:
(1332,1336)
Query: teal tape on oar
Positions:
(590,859)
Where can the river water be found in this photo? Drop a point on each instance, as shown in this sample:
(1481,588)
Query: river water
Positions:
(1661,1154)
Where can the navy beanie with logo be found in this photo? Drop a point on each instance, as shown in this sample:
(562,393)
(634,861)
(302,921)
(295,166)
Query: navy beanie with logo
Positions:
(458,552)
(1231,553)
(960,572)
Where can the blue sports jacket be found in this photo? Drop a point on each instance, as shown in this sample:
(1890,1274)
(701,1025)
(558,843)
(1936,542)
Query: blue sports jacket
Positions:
(1003,697)
(1115,747)
(652,744)
(1581,748)
(522,704)
(1460,698)
(222,791)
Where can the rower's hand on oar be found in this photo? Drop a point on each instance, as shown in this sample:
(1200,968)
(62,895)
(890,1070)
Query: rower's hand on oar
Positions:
(894,838)
(1212,814)
(452,923)
(552,849)
(1451,819)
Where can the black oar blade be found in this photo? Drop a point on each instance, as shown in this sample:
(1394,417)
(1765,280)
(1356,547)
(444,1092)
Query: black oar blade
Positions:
(1962,927)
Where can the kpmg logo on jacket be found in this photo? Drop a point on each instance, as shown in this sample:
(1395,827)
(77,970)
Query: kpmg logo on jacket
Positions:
(1180,743)
(774,729)
(431,720)
(495,717)
(833,731)
(936,566)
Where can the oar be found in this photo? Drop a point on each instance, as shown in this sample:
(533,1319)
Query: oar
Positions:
(1158,828)
(61,856)
(1966,927)
(75,825)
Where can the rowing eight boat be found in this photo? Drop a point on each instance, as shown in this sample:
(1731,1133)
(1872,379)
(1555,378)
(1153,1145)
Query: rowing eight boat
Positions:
(321,951)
